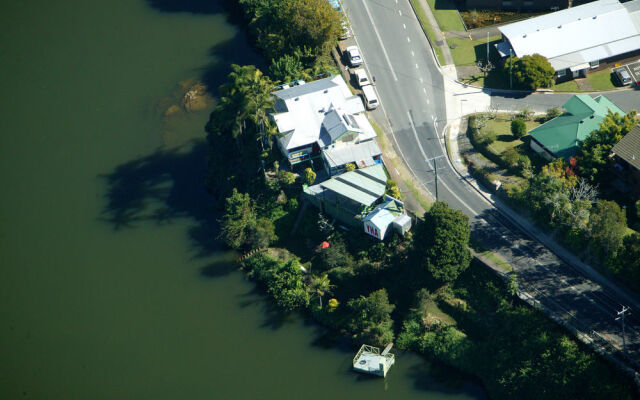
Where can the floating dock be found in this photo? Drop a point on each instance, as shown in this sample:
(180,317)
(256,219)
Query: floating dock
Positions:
(370,361)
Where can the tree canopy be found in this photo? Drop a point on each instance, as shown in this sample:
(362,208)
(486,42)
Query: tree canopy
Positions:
(442,242)
(235,126)
(595,150)
(240,225)
(371,318)
(532,72)
(304,27)
(608,224)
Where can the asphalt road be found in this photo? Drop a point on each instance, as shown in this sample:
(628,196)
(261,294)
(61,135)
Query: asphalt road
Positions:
(625,99)
(411,91)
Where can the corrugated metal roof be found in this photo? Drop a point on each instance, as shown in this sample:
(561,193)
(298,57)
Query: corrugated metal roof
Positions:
(306,88)
(333,126)
(569,37)
(364,186)
(351,153)
(562,135)
(306,106)
(629,147)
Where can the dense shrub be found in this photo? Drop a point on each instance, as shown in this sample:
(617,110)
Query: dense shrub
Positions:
(518,128)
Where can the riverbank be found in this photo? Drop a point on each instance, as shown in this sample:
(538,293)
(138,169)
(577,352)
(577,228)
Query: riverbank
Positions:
(374,292)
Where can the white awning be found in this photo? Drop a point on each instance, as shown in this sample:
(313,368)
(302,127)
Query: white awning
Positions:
(579,67)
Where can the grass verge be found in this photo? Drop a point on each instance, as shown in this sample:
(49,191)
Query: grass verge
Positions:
(447,15)
(422,17)
(407,178)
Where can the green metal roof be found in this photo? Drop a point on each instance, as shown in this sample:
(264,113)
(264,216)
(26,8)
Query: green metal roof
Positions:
(562,135)
(364,186)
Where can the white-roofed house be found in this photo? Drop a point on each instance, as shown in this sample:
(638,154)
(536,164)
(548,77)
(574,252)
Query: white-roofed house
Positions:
(577,39)
(324,119)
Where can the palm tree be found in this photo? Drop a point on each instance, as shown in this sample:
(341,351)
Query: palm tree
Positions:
(320,286)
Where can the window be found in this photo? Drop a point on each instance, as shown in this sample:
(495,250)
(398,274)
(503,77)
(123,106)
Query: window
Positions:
(594,64)
(562,73)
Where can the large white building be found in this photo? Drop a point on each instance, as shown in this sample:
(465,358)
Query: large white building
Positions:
(324,119)
(577,39)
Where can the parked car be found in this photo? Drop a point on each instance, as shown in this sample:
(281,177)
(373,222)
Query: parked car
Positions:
(361,77)
(353,54)
(370,97)
(624,77)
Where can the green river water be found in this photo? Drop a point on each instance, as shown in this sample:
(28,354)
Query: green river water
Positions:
(111,286)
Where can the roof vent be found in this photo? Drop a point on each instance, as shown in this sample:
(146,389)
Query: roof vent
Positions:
(326,91)
(559,26)
(595,16)
(592,117)
(524,36)
(296,99)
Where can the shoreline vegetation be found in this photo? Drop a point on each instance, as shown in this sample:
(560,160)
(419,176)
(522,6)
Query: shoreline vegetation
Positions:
(422,291)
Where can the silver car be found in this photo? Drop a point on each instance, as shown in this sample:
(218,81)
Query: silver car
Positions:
(353,53)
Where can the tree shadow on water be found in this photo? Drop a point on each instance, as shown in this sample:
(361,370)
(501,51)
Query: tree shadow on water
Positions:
(233,51)
(161,188)
(190,6)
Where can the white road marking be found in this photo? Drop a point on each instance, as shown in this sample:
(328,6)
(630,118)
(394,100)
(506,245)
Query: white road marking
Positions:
(417,66)
(420,80)
(404,26)
(408,39)
(400,12)
(425,92)
(415,134)
(384,51)
(412,53)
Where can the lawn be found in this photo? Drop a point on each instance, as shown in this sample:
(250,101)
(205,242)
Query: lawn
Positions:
(601,80)
(568,86)
(427,28)
(447,15)
(469,52)
(505,140)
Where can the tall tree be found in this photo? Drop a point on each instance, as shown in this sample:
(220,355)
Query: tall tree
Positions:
(442,242)
(234,127)
(286,285)
(371,318)
(306,27)
(595,150)
(319,285)
(239,220)
(607,224)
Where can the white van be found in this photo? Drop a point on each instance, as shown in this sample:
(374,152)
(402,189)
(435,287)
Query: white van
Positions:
(361,77)
(370,97)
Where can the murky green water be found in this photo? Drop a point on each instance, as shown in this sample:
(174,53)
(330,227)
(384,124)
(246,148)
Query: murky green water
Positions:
(111,286)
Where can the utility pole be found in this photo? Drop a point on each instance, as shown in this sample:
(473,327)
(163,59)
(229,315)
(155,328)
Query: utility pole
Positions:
(487,47)
(435,170)
(510,67)
(621,315)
